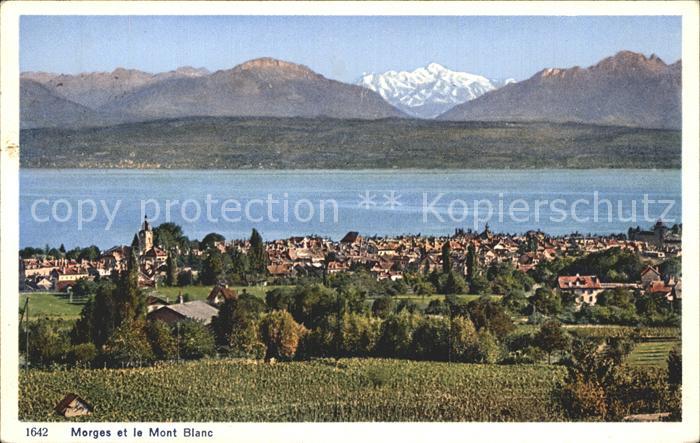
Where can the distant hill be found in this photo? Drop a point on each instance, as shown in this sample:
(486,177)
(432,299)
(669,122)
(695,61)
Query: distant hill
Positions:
(261,87)
(626,89)
(41,108)
(231,143)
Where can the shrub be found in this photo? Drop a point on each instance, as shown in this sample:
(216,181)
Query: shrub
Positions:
(383,306)
(437,307)
(675,368)
(584,400)
(82,355)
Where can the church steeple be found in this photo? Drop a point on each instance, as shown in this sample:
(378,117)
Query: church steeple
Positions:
(145,236)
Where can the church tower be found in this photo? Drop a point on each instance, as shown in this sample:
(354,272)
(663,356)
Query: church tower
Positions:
(145,236)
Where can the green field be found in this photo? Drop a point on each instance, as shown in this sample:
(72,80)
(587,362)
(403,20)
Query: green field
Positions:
(54,305)
(321,390)
(423,301)
(652,353)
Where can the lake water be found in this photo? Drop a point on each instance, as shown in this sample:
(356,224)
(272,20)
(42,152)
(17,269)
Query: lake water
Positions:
(105,207)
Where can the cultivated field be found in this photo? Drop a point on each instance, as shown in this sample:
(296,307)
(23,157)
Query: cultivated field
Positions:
(321,390)
(652,353)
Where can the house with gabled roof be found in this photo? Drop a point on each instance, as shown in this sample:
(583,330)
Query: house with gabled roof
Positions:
(585,287)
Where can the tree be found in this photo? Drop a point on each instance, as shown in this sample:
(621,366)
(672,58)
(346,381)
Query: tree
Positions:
(131,302)
(279,299)
(84,288)
(312,304)
(446,259)
(257,254)
(383,306)
(515,301)
(240,267)
(478,284)
(99,317)
(195,340)
(210,240)
(472,265)
(407,305)
(396,335)
(128,345)
(235,327)
(171,273)
(618,297)
(546,301)
(431,339)
(454,284)
(213,267)
(488,348)
(62,249)
(47,344)
(464,340)
(169,236)
(551,337)
(91,253)
(671,267)
(359,334)
(281,335)
(487,314)
(612,264)
(163,342)
(675,368)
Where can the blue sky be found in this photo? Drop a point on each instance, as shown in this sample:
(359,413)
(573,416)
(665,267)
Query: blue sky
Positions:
(341,48)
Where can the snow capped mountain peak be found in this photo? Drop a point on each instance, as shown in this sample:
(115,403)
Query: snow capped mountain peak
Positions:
(436,68)
(429,91)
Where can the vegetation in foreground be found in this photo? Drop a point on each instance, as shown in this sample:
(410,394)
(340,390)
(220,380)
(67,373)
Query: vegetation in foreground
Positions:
(320,390)
(279,143)
(332,319)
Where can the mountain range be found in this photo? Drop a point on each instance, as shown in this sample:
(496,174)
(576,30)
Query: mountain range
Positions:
(262,87)
(430,91)
(627,89)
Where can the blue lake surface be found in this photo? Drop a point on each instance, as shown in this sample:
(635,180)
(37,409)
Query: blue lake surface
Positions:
(330,203)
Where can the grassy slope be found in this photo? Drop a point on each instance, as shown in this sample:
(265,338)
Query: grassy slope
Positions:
(351,390)
(203,143)
(43,304)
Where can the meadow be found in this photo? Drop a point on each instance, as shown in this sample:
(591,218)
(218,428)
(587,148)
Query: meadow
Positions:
(319,390)
(51,305)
